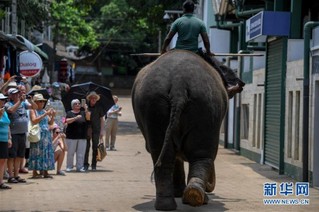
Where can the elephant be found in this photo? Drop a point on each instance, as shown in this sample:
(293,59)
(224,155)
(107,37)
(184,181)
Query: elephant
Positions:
(179,102)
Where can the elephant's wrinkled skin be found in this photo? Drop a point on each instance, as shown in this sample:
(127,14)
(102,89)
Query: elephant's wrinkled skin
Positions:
(179,103)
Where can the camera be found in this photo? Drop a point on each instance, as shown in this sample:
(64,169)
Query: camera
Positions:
(64,129)
(18,78)
(28,96)
(83,102)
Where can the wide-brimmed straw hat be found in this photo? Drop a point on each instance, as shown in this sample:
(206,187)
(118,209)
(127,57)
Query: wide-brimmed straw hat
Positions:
(38,97)
(12,84)
(13,91)
(3,96)
(36,87)
(91,94)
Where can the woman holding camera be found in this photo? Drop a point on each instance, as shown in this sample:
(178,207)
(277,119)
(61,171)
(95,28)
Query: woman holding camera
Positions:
(76,135)
(41,153)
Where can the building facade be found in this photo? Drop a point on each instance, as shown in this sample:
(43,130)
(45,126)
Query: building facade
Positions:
(274,120)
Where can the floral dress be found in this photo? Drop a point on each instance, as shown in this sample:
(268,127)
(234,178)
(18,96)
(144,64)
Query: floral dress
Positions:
(42,153)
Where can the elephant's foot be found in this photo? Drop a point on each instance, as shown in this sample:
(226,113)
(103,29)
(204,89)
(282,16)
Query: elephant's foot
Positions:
(194,193)
(165,204)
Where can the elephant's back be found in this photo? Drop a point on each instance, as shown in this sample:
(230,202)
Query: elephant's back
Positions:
(179,71)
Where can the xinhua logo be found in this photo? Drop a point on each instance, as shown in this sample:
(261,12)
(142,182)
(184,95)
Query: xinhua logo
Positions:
(292,194)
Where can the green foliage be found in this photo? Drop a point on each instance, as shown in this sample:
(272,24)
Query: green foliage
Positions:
(33,12)
(3,5)
(132,26)
(119,25)
(84,4)
(2,13)
(129,25)
(70,25)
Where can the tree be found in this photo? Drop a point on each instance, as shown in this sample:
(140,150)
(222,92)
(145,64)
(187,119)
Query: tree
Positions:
(124,27)
(34,13)
(67,17)
(69,24)
(119,26)
(133,25)
(3,5)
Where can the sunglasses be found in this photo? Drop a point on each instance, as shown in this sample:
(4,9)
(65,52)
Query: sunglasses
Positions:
(57,132)
(77,103)
(41,101)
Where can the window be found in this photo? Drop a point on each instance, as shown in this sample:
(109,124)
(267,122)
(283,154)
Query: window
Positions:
(254,121)
(290,119)
(297,126)
(245,121)
(257,121)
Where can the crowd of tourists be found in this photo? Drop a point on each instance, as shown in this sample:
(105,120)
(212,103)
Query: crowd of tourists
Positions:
(60,134)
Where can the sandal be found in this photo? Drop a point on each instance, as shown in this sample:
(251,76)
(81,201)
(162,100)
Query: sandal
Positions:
(47,176)
(12,180)
(20,180)
(38,176)
(23,171)
(4,186)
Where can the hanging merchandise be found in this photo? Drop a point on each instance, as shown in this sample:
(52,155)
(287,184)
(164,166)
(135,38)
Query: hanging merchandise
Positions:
(13,62)
(45,79)
(2,62)
(1,58)
(71,73)
(63,71)
(8,65)
(6,76)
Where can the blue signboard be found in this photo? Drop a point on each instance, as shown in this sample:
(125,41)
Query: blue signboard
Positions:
(268,23)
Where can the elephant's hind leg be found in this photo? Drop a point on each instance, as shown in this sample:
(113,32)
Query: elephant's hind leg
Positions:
(194,193)
(165,199)
(210,186)
(164,189)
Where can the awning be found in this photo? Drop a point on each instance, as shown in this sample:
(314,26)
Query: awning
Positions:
(40,52)
(3,36)
(22,43)
(31,46)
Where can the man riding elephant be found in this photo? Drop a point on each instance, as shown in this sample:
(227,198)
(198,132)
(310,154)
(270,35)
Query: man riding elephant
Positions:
(189,28)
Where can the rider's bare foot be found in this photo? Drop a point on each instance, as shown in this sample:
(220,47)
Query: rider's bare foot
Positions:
(232,90)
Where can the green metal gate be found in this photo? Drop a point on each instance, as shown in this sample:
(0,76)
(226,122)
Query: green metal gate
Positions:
(275,103)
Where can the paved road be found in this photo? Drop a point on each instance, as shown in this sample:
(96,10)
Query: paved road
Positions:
(122,182)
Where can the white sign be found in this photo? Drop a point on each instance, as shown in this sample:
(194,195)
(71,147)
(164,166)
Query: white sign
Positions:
(254,26)
(30,64)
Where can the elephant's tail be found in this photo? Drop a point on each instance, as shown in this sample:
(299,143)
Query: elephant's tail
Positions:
(177,106)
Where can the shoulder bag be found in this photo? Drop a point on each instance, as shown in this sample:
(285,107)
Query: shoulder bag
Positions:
(34,133)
